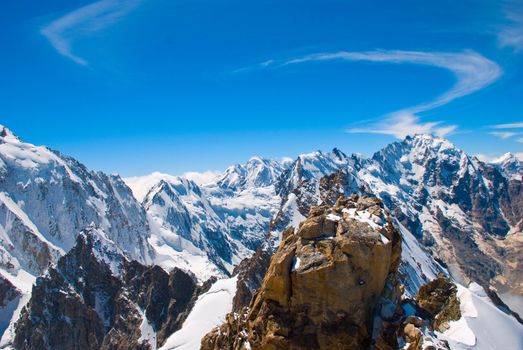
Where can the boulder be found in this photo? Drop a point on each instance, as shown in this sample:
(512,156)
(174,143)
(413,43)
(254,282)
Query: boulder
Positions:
(439,300)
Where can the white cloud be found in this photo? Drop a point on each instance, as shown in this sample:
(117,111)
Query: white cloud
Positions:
(518,125)
(520,140)
(63,31)
(503,134)
(402,124)
(202,178)
(472,71)
(483,157)
(510,34)
(508,130)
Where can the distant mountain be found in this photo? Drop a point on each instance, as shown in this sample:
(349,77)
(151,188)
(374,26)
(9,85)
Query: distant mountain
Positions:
(465,211)
(222,222)
(257,172)
(510,165)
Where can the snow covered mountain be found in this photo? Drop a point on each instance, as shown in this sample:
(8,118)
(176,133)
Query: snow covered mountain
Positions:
(465,211)
(222,222)
(511,165)
(257,172)
(457,215)
(47,198)
(460,208)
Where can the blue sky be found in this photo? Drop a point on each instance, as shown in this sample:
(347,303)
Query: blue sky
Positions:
(142,85)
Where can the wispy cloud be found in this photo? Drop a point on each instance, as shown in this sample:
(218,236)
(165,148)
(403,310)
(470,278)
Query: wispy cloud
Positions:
(402,124)
(472,71)
(259,65)
(507,130)
(503,134)
(510,34)
(518,125)
(63,31)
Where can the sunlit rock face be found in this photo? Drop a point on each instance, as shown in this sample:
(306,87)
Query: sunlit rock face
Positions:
(323,282)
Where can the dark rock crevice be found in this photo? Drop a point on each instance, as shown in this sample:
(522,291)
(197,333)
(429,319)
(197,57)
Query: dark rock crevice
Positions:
(80,304)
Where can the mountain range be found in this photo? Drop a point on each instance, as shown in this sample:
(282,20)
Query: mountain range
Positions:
(81,250)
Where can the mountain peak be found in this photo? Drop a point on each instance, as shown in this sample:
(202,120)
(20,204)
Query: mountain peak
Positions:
(141,185)
(506,158)
(8,135)
(424,144)
(257,172)
(428,139)
(256,159)
(338,153)
(510,164)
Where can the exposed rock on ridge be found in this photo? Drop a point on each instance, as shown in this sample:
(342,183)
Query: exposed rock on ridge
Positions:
(82,304)
(323,282)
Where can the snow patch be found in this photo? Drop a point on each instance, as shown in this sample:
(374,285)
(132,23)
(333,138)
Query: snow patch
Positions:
(491,328)
(296,263)
(209,311)
(333,217)
(146,331)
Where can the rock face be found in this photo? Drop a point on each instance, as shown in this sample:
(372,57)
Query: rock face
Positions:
(439,299)
(323,282)
(8,292)
(310,191)
(82,304)
(432,309)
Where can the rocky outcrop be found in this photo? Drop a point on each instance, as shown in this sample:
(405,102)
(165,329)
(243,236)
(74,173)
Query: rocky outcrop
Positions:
(250,274)
(412,322)
(165,298)
(8,292)
(323,283)
(83,303)
(439,300)
(326,189)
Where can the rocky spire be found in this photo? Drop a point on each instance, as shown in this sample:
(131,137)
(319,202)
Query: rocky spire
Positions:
(323,283)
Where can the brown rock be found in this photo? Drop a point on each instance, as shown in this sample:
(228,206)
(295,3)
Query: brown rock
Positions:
(367,202)
(439,299)
(317,226)
(312,227)
(320,292)
(412,333)
(318,210)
